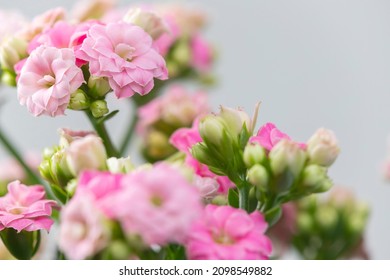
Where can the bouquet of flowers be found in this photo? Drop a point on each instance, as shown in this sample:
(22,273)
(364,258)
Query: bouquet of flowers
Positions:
(214,185)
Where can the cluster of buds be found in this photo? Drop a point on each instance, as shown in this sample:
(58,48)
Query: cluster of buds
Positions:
(77,152)
(331,228)
(273,168)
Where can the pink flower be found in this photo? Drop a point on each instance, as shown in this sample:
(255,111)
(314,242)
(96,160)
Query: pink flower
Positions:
(202,54)
(123,53)
(157,204)
(269,135)
(23,208)
(83,232)
(10,169)
(48,78)
(10,23)
(226,233)
(67,136)
(176,107)
(183,139)
(101,186)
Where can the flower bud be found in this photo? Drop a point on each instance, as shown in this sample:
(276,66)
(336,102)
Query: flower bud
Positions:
(253,154)
(235,119)
(211,129)
(258,176)
(304,222)
(322,147)
(8,78)
(120,165)
(98,86)
(326,217)
(147,20)
(287,155)
(79,100)
(67,136)
(54,168)
(86,153)
(12,50)
(99,108)
(181,53)
(315,178)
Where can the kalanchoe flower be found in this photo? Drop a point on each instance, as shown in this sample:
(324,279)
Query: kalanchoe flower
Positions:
(322,147)
(120,165)
(87,153)
(67,136)
(163,205)
(226,233)
(10,23)
(91,9)
(123,53)
(24,208)
(48,78)
(83,229)
(148,20)
(269,135)
(12,50)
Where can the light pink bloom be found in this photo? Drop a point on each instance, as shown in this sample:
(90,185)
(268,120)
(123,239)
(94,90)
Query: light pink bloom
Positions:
(24,208)
(163,43)
(177,107)
(43,22)
(10,23)
(48,78)
(183,139)
(269,135)
(67,136)
(102,187)
(201,54)
(158,204)
(123,53)
(10,169)
(227,233)
(83,231)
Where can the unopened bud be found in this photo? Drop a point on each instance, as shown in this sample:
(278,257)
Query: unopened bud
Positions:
(87,153)
(12,50)
(120,165)
(8,78)
(147,20)
(79,100)
(181,53)
(304,222)
(322,147)
(315,177)
(99,108)
(258,176)
(211,129)
(98,86)
(235,120)
(253,154)
(287,155)
(326,217)
(55,169)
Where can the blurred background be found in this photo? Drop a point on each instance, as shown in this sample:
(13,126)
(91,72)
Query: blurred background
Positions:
(311,63)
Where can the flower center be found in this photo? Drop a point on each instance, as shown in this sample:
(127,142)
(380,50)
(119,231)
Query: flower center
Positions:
(223,238)
(47,81)
(125,51)
(78,231)
(156,200)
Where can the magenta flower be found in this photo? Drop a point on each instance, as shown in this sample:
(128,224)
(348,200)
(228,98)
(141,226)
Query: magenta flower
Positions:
(123,53)
(157,204)
(269,135)
(23,208)
(47,79)
(226,233)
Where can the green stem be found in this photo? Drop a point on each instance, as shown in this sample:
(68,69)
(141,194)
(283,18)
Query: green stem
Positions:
(129,134)
(101,130)
(243,199)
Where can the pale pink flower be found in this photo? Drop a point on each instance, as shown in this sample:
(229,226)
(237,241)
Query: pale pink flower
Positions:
(11,22)
(227,233)
(83,229)
(102,187)
(48,78)
(269,135)
(183,139)
(10,169)
(176,107)
(158,204)
(123,53)
(323,148)
(67,136)
(87,153)
(163,43)
(24,208)
(43,22)
(201,53)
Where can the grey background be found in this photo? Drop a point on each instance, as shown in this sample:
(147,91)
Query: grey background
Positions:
(311,63)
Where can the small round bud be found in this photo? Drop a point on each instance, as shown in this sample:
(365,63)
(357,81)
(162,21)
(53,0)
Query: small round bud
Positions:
(99,108)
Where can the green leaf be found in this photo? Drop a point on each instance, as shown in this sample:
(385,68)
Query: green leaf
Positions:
(233,197)
(107,117)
